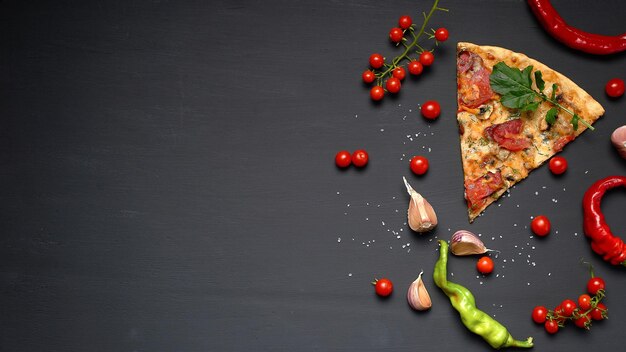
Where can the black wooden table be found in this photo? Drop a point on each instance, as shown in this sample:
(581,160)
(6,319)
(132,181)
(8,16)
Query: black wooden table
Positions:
(167,179)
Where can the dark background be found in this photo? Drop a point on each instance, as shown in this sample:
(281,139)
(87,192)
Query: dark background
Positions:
(167,179)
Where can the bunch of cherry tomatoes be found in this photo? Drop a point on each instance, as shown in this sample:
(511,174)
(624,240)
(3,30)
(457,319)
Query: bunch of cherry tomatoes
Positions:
(582,313)
(380,70)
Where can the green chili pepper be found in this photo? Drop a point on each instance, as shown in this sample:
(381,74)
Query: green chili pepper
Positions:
(473,318)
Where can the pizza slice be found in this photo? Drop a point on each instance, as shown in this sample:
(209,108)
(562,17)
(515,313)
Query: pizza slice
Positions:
(514,113)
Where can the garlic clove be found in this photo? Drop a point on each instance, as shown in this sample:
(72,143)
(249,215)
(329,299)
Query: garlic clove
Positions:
(618,138)
(418,296)
(464,242)
(421,215)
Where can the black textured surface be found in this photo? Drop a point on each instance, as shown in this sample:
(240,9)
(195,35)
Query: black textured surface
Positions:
(167,179)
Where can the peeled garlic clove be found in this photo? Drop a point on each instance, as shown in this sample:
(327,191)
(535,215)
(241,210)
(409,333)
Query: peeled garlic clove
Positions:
(417,296)
(618,138)
(421,215)
(464,242)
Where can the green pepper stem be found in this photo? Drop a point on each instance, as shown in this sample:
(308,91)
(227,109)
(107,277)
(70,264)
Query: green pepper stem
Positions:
(528,343)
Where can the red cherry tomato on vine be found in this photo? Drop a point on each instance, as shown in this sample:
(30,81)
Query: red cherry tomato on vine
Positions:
(539,314)
(431,109)
(558,165)
(383,287)
(377,93)
(567,307)
(419,165)
(584,302)
(368,76)
(441,34)
(399,73)
(393,85)
(376,60)
(405,22)
(484,265)
(596,313)
(415,68)
(540,225)
(615,88)
(360,158)
(594,285)
(551,327)
(396,34)
(427,58)
(343,159)
(583,322)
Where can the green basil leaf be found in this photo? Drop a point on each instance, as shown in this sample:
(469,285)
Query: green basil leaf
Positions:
(575,122)
(551,115)
(526,79)
(554,88)
(539,81)
(504,79)
(517,99)
(531,106)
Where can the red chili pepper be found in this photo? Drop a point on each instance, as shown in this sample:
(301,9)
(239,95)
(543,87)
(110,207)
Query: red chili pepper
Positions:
(574,37)
(603,242)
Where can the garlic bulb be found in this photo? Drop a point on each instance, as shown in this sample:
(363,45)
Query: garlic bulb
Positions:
(618,138)
(417,296)
(464,242)
(421,215)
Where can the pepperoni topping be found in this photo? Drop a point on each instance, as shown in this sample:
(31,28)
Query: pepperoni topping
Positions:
(464,61)
(473,80)
(561,142)
(507,135)
(477,190)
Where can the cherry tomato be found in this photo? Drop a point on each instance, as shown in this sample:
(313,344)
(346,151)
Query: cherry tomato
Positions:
(596,313)
(568,306)
(419,165)
(594,285)
(427,58)
(384,287)
(540,225)
(360,158)
(441,34)
(615,88)
(405,22)
(558,165)
(377,93)
(551,327)
(343,159)
(484,265)
(539,314)
(584,302)
(368,76)
(396,34)
(376,60)
(431,109)
(583,322)
(415,68)
(559,312)
(399,73)
(393,85)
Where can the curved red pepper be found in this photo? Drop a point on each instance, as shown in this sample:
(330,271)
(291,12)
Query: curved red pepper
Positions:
(574,37)
(603,241)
